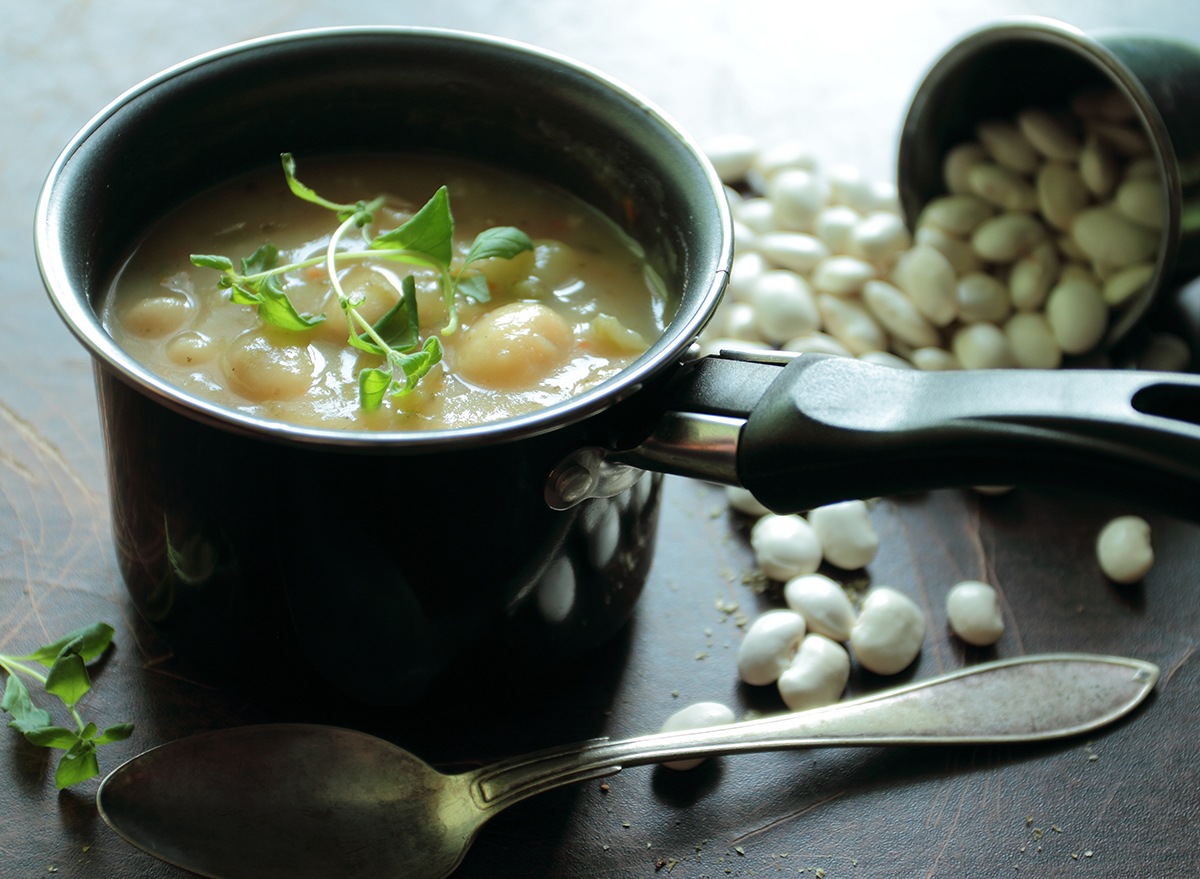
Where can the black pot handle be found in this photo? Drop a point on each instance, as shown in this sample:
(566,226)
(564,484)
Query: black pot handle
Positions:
(819,429)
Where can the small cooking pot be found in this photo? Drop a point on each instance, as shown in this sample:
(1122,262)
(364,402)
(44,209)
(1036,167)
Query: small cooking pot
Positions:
(242,538)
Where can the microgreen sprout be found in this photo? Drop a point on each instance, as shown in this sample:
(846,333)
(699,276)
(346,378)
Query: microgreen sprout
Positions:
(67,679)
(426,240)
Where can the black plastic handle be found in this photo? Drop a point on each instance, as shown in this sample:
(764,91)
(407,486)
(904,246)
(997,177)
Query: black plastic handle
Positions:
(832,428)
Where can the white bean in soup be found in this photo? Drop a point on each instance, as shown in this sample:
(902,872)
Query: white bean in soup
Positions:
(562,317)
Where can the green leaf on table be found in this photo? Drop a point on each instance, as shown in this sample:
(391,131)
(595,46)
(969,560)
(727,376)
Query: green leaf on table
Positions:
(17,702)
(430,231)
(504,242)
(118,732)
(95,638)
(68,678)
(53,737)
(78,764)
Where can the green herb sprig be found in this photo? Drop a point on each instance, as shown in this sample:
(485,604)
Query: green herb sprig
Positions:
(67,679)
(427,239)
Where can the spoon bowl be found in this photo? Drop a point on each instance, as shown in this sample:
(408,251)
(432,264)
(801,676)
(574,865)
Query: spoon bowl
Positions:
(301,801)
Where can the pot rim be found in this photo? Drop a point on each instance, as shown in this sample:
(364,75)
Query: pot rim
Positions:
(82,320)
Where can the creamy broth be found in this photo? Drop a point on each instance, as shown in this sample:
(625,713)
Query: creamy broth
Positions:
(562,318)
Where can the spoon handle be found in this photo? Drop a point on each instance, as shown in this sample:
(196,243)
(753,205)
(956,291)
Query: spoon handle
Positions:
(1029,699)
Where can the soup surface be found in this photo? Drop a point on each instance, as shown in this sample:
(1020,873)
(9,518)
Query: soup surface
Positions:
(575,310)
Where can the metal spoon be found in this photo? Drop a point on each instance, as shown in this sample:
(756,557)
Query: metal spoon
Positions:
(299,800)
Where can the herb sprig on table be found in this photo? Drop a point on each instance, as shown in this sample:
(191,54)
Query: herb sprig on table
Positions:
(67,679)
(425,240)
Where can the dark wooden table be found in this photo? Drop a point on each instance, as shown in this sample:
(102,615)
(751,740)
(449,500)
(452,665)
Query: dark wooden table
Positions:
(837,77)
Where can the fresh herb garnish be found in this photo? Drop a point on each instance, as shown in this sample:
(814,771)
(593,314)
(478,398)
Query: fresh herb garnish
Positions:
(68,680)
(427,239)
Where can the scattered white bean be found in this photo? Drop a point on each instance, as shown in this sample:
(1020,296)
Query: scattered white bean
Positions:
(888,634)
(934,359)
(1049,135)
(928,279)
(746,268)
(769,646)
(1007,237)
(982,345)
(898,314)
(777,158)
(785,546)
(848,539)
(834,226)
(823,603)
(744,502)
(817,343)
(798,196)
(1002,187)
(1007,145)
(879,236)
(850,324)
(974,613)
(982,297)
(817,675)
(796,251)
(1165,353)
(697,716)
(956,166)
(1144,201)
(1107,236)
(842,275)
(1077,314)
(961,256)
(1061,194)
(885,358)
(956,214)
(1032,277)
(1032,342)
(1123,549)
(1127,282)
(731,155)
(1098,167)
(784,306)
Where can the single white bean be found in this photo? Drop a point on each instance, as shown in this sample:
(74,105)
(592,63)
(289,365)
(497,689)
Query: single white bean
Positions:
(731,155)
(796,251)
(823,603)
(784,306)
(834,225)
(842,275)
(1125,283)
(745,239)
(961,256)
(982,345)
(1123,549)
(817,343)
(1144,201)
(798,196)
(982,297)
(1061,194)
(740,321)
(1049,134)
(932,359)
(957,164)
(757,214)
(744,502)
(744,271)
(928,279)
(1126,140)
(779,157)
(898,314)
(888,634)
(1076,311)
(1031,340)
(1033,276)
(850,324)
(848,539)
(785,546)
(1002,187)
(974,613)
(697,716)
(768,646)
(1165,353)
(817,675)
(879,236)
(1098,167)
(1007,145)
(849,187)
(956,214)
(1107,236)
(1007,237)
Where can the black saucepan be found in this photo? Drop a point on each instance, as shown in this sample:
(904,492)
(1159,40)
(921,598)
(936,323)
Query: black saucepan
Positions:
(528,538)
